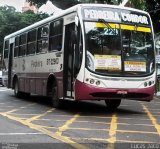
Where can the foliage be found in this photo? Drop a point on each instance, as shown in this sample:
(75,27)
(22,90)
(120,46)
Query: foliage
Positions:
(152,5)
(12,21)
(63,4)
(140,4)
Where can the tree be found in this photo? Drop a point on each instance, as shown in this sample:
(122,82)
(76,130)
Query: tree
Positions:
(153,7)
(63,4)
(12,21)
(140,4)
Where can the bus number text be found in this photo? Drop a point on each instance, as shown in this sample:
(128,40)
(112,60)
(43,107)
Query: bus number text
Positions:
(52,61)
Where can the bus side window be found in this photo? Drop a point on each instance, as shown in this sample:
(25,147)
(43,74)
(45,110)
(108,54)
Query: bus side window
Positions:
(16,47)
(22,44)
(55,36)
(31,45)
(42,42)
(6,48)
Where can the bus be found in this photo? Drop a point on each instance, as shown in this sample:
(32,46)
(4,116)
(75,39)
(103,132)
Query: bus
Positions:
(87,52)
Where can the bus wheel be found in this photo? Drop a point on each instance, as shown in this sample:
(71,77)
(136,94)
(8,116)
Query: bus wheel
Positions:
(113,104)
(17,93)
(55,101)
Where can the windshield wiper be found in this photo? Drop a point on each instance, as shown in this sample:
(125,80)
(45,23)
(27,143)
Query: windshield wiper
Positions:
(107,24)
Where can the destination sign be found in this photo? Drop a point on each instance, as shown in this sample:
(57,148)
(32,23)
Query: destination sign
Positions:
(115,15)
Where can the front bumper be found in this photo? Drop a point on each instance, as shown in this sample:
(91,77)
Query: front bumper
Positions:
(87,92)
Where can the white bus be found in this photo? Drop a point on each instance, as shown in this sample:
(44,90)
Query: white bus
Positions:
(88,52)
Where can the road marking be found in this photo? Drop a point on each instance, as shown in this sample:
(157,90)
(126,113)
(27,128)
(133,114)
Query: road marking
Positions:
(66,125)
(113,128)
(38,116)
(157,115)
(148,125)
(20,108)
(101,117)
(136,131)
(95,122)
(41,129)
(98,117)
(87,129)
(12,134)
(112,132)
(127,131)
(152,118)
(67,139)
(11,111)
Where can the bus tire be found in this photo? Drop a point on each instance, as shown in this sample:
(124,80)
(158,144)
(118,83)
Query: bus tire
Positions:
(55,101)
(113,104)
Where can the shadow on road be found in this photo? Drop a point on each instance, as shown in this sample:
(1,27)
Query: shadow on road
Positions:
(84,107)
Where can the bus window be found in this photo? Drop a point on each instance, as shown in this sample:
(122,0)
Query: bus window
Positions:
(55,37)
(103,40)
(22,44)
(16,48)
(6,47)
(31,45)
(42,43)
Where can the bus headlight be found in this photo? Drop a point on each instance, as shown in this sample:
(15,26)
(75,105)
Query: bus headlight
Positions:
(94,82)
(98,82)
(149,83)
(145,84)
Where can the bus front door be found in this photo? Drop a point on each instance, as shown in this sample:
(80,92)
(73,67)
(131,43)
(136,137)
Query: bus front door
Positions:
(68,62)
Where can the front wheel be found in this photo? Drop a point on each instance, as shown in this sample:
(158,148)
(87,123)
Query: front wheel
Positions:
(113,104)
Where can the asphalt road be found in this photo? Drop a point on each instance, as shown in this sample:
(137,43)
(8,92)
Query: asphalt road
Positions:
(33,123)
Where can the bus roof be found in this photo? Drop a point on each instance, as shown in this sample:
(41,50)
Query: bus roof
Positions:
(68,11)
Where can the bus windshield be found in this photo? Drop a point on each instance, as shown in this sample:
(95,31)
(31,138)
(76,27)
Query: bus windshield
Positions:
(119,49)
